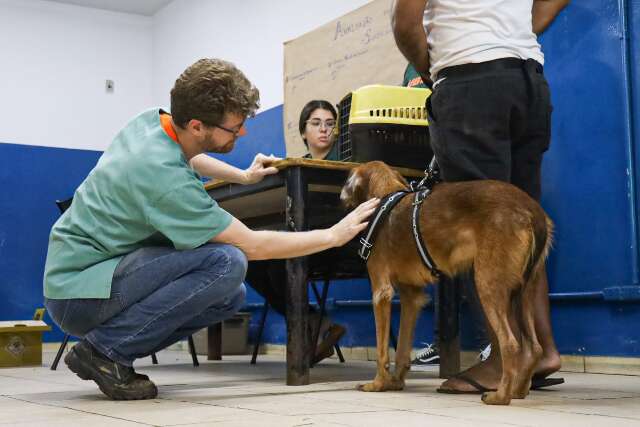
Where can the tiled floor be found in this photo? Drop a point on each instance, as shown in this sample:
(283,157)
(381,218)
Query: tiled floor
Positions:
(235,393)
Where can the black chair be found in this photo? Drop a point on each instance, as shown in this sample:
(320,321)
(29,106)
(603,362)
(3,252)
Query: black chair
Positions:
(322,299)
(63,205)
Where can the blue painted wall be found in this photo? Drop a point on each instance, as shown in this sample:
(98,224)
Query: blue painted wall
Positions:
(31,179)
(590,173)
(590,189)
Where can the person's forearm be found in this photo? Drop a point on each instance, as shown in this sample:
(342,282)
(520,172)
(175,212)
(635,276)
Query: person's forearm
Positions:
(409,33)
(282,244)
(208,166)
(544,12)
(259,245)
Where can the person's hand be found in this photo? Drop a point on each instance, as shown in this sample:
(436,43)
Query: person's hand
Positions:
(260,168)
(353,223)
(426,79)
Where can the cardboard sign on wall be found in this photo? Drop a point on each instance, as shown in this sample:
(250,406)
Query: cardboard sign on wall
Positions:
(354,50)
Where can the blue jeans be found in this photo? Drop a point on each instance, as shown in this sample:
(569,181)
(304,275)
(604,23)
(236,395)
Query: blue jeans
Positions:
(159,295)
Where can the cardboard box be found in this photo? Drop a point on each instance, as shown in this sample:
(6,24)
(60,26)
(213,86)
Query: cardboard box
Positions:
(21,342)
(235,332)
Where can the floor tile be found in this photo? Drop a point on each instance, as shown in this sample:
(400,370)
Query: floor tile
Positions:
(232,392)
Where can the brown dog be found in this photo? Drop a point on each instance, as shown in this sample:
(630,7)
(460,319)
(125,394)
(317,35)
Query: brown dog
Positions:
(490,228)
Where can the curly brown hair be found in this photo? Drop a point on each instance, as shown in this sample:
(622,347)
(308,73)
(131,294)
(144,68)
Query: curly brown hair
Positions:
(210,88)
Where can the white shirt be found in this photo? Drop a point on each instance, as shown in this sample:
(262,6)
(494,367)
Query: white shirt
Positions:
(471,31)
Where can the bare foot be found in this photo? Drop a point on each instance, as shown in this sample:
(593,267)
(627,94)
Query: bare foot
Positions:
(485,373)
(488,373)
(549,364)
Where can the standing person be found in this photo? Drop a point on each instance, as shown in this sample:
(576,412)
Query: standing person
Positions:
(144,257)
(429,355)
(489,115)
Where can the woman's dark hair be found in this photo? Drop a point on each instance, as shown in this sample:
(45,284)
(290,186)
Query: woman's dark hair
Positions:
(310,108)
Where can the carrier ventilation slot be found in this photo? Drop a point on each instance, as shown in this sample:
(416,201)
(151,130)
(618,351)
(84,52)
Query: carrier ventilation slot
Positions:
(419,113)
(344,136)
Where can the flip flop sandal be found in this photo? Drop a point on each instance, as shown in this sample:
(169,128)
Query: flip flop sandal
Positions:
(538,382)
(479,388)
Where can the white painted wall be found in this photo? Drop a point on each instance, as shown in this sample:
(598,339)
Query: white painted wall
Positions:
(55,60)
(249,33)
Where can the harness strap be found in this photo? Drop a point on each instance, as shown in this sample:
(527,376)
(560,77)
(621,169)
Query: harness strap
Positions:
(388,203)
(372,229)
(417,235)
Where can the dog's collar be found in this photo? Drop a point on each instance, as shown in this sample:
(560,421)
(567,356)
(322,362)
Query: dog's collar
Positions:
(386,205)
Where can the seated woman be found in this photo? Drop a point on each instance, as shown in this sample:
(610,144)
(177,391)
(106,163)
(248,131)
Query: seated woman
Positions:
(317,129)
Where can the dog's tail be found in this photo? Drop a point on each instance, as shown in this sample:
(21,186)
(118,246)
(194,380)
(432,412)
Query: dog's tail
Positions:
(541,241)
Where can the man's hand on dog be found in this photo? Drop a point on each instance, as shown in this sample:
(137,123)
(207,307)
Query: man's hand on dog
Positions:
(353,223)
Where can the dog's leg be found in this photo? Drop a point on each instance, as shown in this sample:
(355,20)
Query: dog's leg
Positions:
(382,294)
(531,348)
(495,297)
(411,300)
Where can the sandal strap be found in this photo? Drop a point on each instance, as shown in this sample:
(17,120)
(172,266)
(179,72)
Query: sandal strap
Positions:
(473,383)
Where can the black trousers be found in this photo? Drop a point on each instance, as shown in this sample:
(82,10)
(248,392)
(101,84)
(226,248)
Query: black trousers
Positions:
(490,120)
(268,278)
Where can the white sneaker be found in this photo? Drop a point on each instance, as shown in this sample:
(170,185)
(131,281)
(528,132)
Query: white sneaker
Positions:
(484,354)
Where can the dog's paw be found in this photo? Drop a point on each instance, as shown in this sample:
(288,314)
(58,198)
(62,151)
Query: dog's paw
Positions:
(522,391)
(493,398)
(392,385)
(396,384)
(520,394)
(374,386)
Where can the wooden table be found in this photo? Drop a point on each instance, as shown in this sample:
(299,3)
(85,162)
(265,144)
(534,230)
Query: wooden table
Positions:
(304,195)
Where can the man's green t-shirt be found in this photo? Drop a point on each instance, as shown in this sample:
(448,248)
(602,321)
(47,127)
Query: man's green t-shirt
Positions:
(141,193)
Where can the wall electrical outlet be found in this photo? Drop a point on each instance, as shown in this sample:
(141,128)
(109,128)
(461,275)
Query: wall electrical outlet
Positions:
(109,85)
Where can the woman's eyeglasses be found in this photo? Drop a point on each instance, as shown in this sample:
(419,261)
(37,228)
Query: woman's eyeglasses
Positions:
(318,123)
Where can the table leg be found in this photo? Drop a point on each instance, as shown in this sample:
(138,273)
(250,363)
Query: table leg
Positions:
(298,353)
(214,342)
(448,327)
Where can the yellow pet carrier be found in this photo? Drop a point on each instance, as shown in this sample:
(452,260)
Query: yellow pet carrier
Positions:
(387,123)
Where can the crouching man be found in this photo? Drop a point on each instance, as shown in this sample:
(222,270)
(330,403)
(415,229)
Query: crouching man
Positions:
(144,257)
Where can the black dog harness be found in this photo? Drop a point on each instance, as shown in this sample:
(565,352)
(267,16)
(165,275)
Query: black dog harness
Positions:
(421,191)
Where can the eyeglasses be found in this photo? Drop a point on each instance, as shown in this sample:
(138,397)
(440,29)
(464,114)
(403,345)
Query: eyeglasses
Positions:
(234,132)
(317,123)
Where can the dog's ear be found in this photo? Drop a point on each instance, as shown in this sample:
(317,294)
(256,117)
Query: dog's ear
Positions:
(382,179)
(354,190)
(400,178)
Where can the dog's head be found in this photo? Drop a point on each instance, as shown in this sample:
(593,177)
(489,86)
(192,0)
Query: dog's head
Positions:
(373,179)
